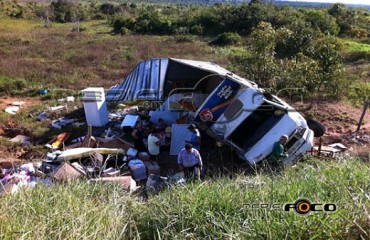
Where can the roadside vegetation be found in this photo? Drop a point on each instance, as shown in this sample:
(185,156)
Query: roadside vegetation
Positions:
(219,207)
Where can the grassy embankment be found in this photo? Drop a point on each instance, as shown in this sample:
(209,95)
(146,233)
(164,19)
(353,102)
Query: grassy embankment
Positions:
(215,208)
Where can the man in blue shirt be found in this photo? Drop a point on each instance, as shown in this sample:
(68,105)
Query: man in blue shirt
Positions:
(195,137)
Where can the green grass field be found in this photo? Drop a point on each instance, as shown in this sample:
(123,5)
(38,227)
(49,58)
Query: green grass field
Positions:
(217,208)
(352,46)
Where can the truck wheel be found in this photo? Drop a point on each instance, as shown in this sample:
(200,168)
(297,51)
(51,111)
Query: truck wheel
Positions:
(317,128)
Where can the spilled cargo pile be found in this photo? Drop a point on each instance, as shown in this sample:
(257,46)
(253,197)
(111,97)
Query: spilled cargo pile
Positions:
(104,154)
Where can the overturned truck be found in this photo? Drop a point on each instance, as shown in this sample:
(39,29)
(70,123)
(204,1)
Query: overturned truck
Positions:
(224,105)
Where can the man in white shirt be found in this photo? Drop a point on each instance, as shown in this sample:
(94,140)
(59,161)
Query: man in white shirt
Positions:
(189,160)
(154,143)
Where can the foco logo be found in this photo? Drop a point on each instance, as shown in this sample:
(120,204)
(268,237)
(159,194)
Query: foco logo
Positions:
(303,207)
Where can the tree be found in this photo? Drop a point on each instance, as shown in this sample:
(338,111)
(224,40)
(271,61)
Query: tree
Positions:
(323,21)
(343,15)
(258,61)
(330,67)
(295,38)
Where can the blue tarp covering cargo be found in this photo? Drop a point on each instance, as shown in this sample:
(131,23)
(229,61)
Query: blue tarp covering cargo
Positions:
(155,79)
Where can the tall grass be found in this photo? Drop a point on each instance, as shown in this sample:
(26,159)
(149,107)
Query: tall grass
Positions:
(217,208)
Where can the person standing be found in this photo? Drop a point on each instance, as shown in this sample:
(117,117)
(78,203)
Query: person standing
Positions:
(195,139)
(161,126)
(190,161)
(138,136)
(154,143)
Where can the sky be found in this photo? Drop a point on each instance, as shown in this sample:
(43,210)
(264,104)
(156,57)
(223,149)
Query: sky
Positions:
(364,2)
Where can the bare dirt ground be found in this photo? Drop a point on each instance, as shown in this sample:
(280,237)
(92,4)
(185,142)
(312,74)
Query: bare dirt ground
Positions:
(340,120)
(6,101)
(14,153)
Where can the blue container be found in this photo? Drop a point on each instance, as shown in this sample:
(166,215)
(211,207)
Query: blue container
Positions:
(138,169)
(43,91)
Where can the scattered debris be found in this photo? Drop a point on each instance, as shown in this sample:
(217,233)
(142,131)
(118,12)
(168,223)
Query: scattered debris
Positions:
(65,172)
(78,153)
(338,146)
(152,168)
(155,183)
(67,99)
(56,108)
(43,91)
(325,151)
(23,176)
(116,143)
(42,116)
(130,121)
(58,141)
(24,140)
(62,122)
(12,109)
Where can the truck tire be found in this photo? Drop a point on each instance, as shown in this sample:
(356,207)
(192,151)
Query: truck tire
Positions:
(317,128)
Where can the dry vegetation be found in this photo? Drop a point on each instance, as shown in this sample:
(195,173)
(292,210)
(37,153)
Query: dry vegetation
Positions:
(56,57)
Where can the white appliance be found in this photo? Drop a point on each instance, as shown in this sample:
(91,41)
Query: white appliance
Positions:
(95,106)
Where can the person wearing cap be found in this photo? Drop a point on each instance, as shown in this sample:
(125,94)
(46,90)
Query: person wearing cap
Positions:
(278,152)
(190,161)
(195,137)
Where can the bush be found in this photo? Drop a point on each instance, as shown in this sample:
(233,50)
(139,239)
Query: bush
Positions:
(185,38)
(227,39)
(10,86)
(109,8)
(359,93)
(122,22)
(358,33)
(124,31)
(65,11)
(197,29)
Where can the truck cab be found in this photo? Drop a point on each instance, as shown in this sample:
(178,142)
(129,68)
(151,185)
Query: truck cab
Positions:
(252,121)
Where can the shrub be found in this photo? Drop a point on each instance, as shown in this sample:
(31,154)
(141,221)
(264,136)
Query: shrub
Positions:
(123,22)
(185,38)
(358,33)
(227,39)
(10,86)
(124,31)
(197,29)
(108,8)
(359,93)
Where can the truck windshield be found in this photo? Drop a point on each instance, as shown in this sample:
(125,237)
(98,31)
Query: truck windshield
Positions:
(256,125)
